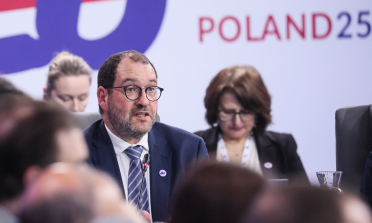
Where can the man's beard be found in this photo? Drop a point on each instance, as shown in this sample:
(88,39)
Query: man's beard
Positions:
(123,126)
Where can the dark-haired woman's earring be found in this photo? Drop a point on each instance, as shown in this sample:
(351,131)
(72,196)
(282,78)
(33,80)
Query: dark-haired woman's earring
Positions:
(215,124)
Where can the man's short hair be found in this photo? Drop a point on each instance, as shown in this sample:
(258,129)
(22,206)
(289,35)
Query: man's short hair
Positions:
(61,208)
(107,72)
(29,139)
(75,194)
(246,84)
(62,193)
(215,192)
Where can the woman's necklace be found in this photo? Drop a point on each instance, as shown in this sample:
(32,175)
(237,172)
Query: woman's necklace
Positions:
(234,152)
(225,155)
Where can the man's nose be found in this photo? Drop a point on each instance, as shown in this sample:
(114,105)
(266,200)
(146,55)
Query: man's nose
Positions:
(142,100)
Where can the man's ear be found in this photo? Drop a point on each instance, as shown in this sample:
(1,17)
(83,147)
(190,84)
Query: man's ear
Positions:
(31,174)
(102,96)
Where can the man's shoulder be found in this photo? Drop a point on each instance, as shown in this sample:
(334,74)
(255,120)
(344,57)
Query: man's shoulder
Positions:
(186,146)
(172,131)
(91,129)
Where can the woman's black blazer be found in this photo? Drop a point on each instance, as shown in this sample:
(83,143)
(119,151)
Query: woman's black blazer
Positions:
(277,153)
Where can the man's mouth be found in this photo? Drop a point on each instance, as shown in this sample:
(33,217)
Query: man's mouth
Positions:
(142,114)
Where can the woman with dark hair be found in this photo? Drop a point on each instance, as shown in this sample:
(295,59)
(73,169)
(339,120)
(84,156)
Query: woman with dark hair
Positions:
(238,110)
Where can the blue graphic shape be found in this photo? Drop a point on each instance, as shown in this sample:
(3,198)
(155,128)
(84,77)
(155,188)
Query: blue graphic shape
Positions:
(56,23)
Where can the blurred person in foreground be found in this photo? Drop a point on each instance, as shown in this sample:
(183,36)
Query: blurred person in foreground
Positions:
(128,95)
(238,111)
(32,136)
(7,87)
(76,194)
(307,205)
(68,82)
(215,193)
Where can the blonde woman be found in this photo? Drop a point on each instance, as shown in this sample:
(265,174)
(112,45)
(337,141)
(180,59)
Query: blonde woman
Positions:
(68,82)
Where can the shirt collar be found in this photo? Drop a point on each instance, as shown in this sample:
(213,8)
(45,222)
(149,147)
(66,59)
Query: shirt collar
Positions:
(120,145)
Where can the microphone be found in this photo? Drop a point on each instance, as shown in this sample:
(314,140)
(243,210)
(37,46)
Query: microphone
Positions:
(145,162)
(145,165)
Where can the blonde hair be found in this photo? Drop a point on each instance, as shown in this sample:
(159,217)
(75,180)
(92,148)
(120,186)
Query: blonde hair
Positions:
(66,64)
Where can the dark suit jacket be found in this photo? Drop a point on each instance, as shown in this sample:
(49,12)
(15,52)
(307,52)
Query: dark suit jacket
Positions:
(275,148)
(171,149)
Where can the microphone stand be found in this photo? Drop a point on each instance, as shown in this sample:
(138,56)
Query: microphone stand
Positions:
(145,165)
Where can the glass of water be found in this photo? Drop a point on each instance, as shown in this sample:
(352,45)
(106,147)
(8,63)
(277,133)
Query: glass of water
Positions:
(330,180)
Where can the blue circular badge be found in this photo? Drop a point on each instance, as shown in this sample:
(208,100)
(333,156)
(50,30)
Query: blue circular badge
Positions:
(268,165)
(163,173)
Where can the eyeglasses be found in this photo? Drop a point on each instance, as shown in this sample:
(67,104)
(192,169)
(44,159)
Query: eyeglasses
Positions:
(133,92)
(227,114)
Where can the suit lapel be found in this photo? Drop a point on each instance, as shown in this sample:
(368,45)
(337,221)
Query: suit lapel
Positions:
(160,172)
(269,156)
(261,144)
(104,157)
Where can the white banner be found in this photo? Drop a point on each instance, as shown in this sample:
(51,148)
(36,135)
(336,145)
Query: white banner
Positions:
(313,55)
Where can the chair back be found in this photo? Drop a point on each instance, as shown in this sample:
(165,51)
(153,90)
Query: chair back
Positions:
(87,118)
(353,143)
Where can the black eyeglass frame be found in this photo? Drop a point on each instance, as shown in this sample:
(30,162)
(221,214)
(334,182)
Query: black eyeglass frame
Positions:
(240,113)
(140,92)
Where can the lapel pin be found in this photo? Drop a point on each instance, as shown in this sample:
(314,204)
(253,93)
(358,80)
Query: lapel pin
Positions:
(163,173)
(268,165)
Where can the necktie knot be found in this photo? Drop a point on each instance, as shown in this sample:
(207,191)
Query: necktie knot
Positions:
(134,153)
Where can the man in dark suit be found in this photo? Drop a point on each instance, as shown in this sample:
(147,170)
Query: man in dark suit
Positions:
(127,96)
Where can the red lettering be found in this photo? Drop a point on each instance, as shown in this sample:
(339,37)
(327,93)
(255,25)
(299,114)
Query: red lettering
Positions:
(315,34)
(249,37)
(237,25)
(201,28)
(270,19)
(300,31)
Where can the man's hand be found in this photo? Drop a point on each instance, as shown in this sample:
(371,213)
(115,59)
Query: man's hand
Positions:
(146,216)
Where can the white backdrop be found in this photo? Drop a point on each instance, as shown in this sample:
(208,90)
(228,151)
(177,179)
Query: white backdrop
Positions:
(308,78)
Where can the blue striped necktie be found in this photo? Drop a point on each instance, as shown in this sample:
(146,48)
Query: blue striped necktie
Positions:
(135,177)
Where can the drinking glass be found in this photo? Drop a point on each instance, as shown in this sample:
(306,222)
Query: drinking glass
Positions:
(330,180)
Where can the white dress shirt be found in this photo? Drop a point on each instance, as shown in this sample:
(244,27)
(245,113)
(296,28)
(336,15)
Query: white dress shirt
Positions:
(124,161)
